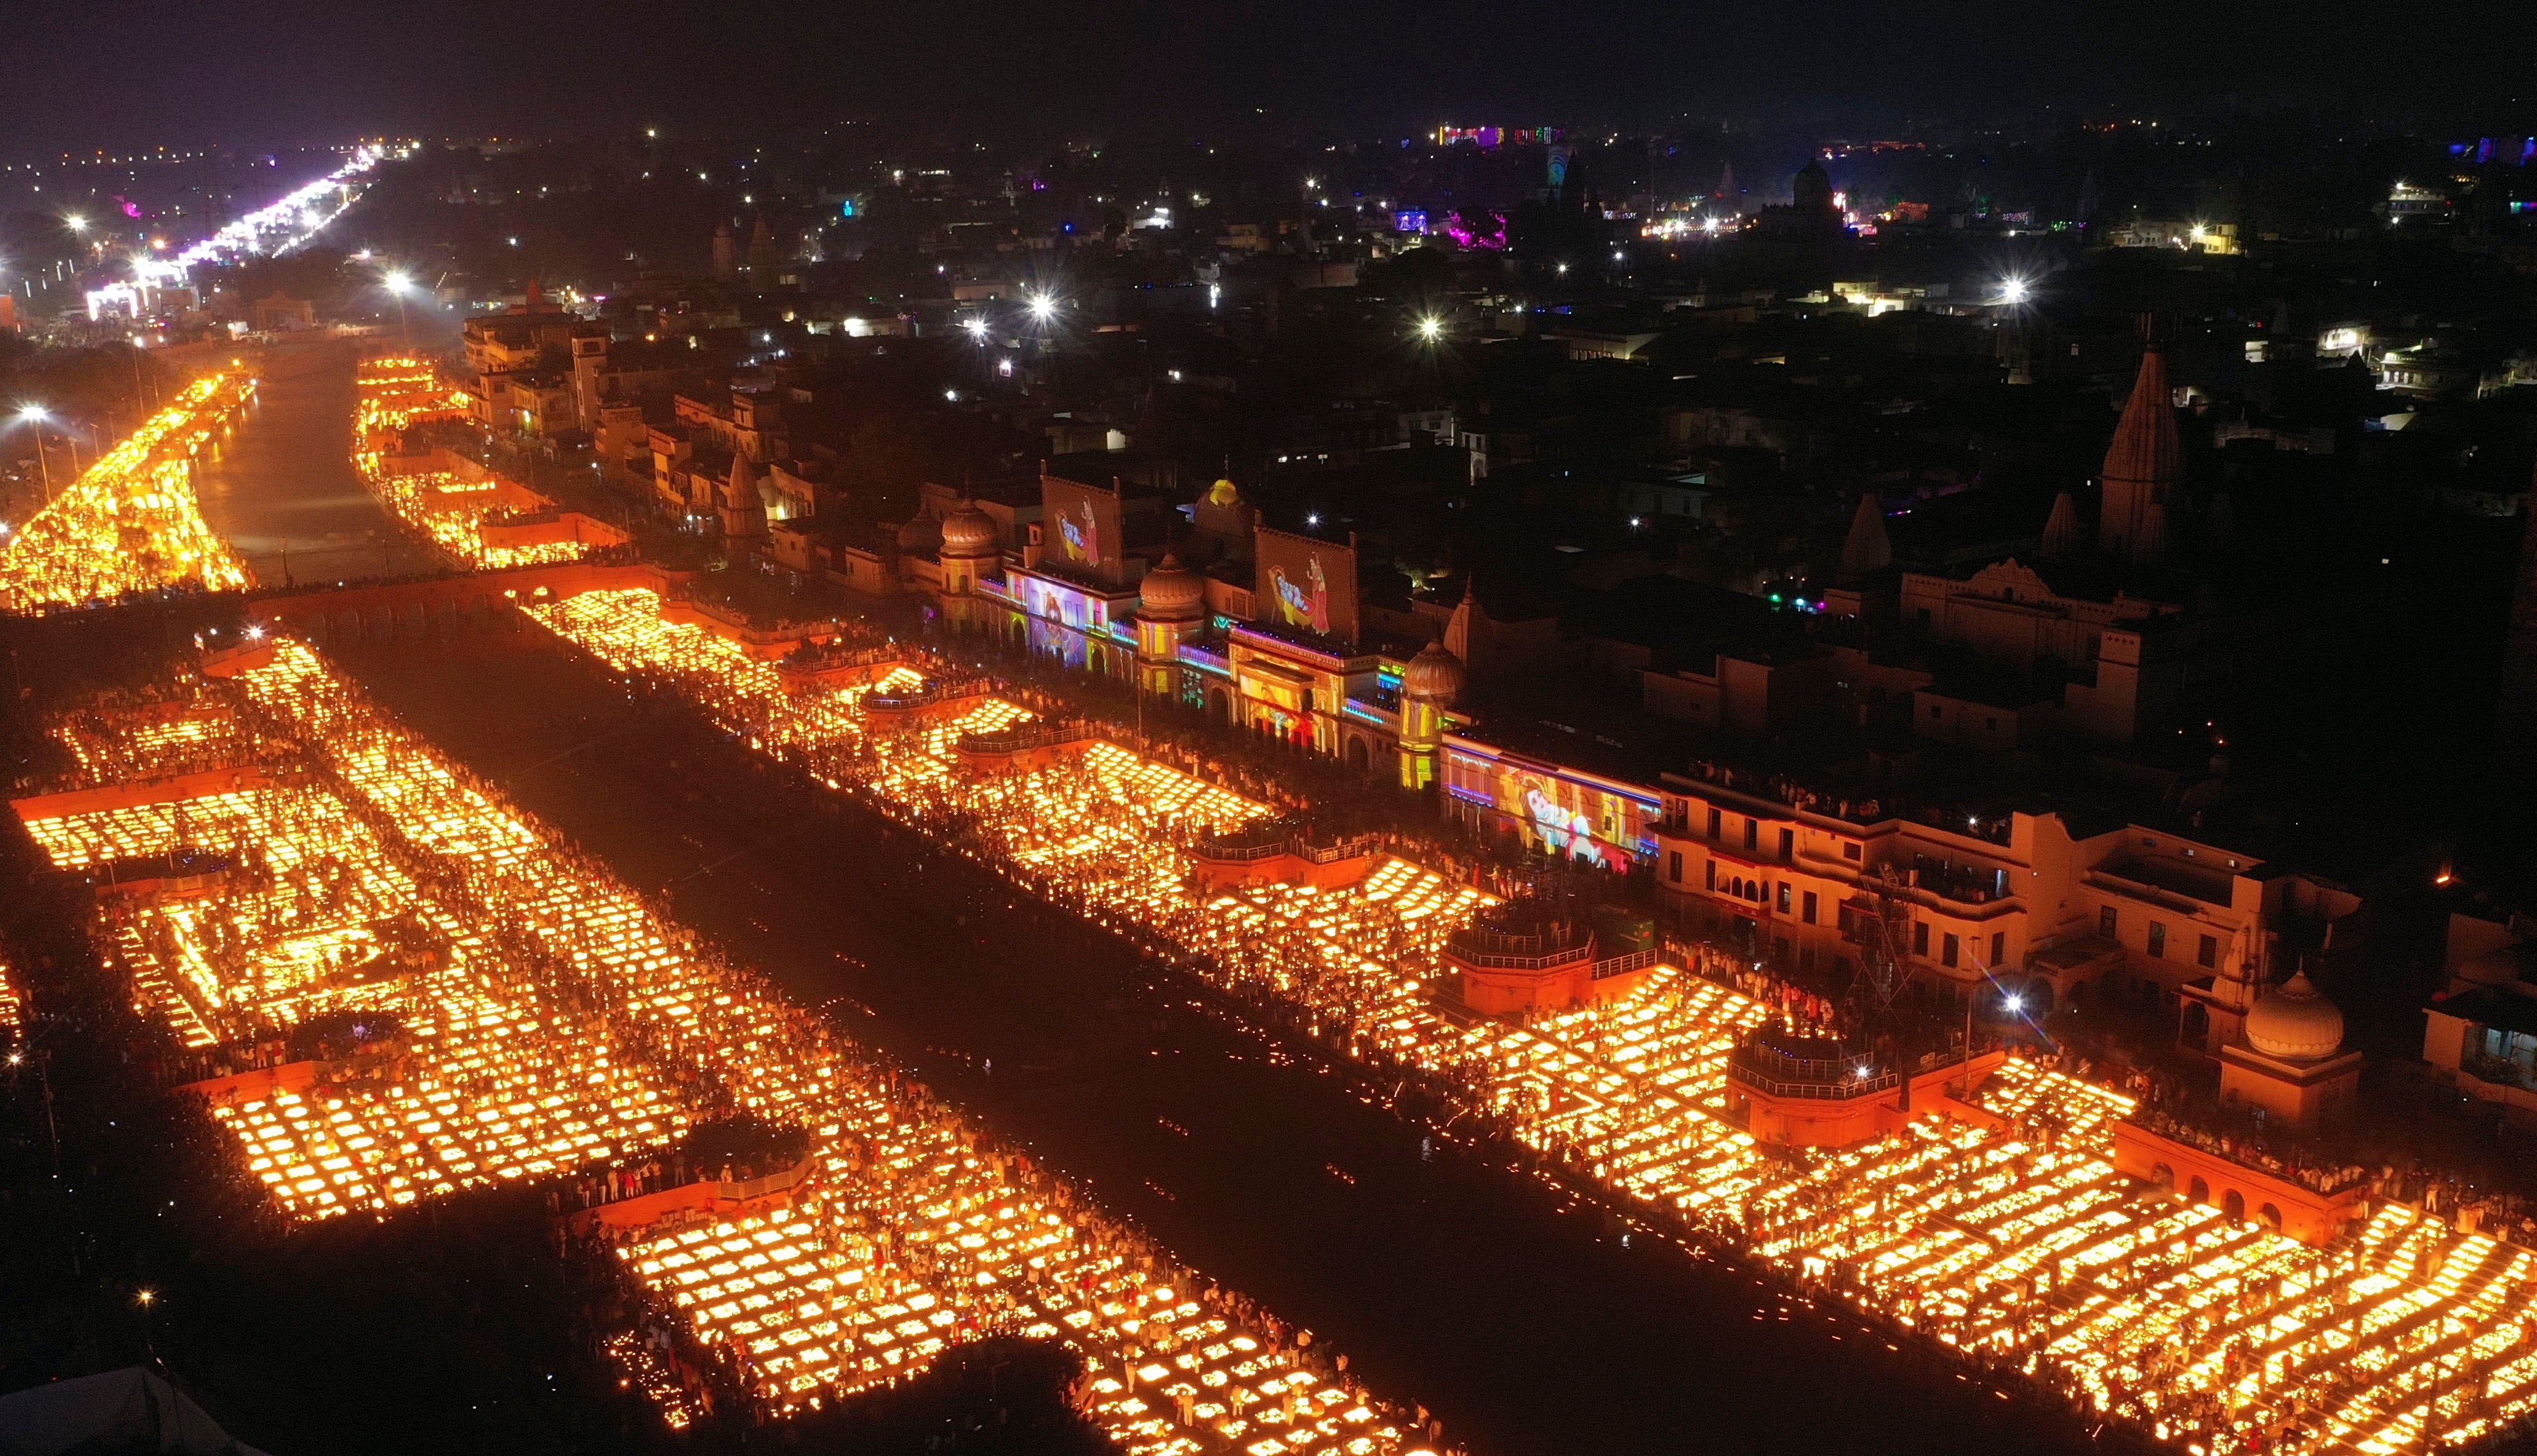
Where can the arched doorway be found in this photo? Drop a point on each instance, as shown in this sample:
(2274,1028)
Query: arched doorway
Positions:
(1218,706)
(2270,1217)
(1357,757)
(2200,1192)
(2234,1206)
(2197,1021)
(2164,1177)
(2038,998)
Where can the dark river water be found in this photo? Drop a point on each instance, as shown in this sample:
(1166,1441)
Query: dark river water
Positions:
(284,491)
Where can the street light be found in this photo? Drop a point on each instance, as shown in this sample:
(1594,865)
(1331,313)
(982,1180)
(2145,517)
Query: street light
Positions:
(1431,328)
(35,415)
(75,222)
(1043,307)
(2013,291)
(400,282)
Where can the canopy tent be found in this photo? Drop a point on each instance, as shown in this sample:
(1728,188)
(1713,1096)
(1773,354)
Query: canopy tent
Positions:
(127,1411)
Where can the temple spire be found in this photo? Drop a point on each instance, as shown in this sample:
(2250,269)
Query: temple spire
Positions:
(2144,464)
(1457,627)
(2061,529)
(1867,550)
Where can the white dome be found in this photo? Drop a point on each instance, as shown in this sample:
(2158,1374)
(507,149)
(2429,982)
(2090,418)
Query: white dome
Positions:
(922,536)
(2295,1021)
(969,531)
(1435,674)
(1171,591)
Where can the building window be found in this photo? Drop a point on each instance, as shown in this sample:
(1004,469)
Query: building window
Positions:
(1814,906)
(1753,834)
(1919,937)
(1673,866)
(1788,846)
(1937,712)
(1784,897)
(1713,874)
(2207,954)
(1999,947)
(1847,919)
(1949,949)
(2157,941)
(1850,853)
(2106,922)
(1713,823)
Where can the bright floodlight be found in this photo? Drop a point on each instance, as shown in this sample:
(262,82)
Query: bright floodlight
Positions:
(34,411)
(75,222)
(977,329)
(2013,290)
(398,282)
(1431,328)
(2014,1003)
(1043,307)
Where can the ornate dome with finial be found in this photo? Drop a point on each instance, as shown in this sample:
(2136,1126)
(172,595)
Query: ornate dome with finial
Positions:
(1171,591)
(921,537)
(1435,674)
(969,531)
(2295,1022)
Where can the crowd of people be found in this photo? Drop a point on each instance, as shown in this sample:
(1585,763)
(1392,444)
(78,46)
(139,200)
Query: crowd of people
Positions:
(1106,834)
(559,979)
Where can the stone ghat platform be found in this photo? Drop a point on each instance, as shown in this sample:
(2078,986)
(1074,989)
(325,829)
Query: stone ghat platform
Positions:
(710,1200)
(1230,861)
(1022,747)
(174,789)
(2311,1214)
(1797,1105)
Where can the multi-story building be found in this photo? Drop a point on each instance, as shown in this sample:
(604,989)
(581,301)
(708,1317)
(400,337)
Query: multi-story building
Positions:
(519,366)
(1265,637)
(2052,904)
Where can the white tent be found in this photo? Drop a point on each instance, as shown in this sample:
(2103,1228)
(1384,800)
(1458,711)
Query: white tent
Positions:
(121,1411)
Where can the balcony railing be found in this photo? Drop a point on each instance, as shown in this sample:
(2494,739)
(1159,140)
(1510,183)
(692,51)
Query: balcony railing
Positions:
(1022,738)
(1507,961)
(929,692)
(1637,960)
(1790,1076)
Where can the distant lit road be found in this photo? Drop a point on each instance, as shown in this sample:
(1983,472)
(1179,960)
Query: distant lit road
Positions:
(284,493)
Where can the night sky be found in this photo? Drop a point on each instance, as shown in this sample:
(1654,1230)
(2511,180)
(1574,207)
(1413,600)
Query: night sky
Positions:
(148,72)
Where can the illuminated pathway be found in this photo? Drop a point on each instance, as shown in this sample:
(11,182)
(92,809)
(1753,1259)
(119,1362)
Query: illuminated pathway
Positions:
(130,523)
(298,865)
(2016,1241)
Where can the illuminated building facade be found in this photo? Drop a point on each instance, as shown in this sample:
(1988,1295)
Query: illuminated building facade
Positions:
(1089,582)
(519,369)
(2031,900)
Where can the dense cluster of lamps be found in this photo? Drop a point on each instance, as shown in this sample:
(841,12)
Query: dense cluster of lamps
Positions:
(131,523)
(2008,1234)
(514,1012)
(446,498)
